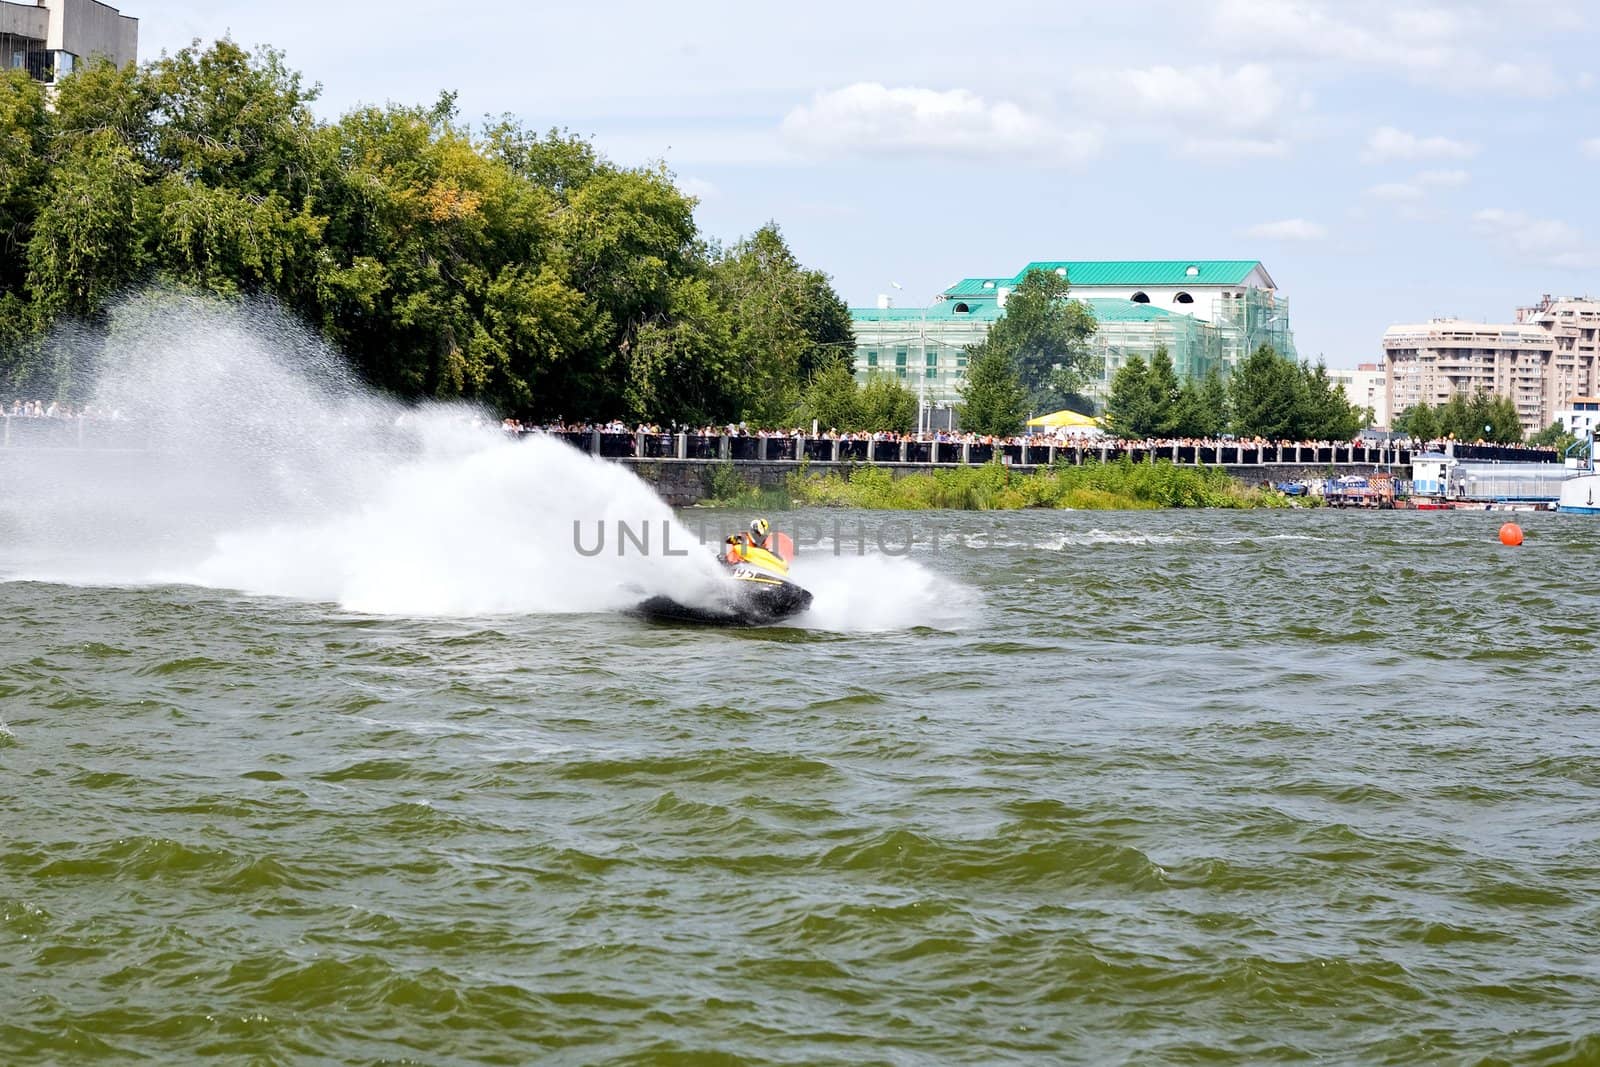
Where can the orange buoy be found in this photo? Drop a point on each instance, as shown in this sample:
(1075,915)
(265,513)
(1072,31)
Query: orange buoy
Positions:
(1511,534)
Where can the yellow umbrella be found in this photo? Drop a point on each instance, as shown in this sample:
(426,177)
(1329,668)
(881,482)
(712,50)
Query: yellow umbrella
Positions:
(1065,418)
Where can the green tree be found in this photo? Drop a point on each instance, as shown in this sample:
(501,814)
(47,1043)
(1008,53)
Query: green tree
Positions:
(1419,422)
(681,367)
(520,269)
(787,322)
(992,398)
(1202,407)
(1325,413)
(887,405)
(1131,409)
(1264,395)
(1165,394)
(24,143)
(86,244)
(1149,401)
(1046,336)
(832,398)
(1482,417)
(1555,436)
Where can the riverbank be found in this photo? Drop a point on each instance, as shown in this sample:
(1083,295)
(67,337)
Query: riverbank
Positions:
(1118,486)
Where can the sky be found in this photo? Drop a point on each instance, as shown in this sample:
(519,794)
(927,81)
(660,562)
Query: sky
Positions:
(1388,161)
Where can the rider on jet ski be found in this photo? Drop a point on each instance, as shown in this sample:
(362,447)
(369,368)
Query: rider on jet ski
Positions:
(759,535)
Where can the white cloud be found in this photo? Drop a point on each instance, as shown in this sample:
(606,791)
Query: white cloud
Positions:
(1232,148)
(1396,191)
(1388,143)
(1417,188)
(1247,98)
(1442,178)
(1543,242)
(1206,112)
(1590,147)
(1288,230)
(869,119)
(1458,47)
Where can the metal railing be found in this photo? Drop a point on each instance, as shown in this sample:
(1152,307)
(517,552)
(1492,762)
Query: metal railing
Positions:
(738,448)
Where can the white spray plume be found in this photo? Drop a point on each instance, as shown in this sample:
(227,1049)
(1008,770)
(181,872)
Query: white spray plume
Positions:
(266,467)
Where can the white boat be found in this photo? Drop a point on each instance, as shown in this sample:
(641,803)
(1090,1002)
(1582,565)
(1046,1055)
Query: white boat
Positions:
(1580,495)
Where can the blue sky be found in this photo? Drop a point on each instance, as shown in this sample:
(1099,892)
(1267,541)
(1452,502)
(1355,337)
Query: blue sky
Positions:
(1387,161)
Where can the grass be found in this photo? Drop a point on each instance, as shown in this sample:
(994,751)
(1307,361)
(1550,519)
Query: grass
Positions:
(1118,486)
(725,487)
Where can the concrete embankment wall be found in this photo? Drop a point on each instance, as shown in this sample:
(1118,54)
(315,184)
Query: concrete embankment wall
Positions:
(683,482)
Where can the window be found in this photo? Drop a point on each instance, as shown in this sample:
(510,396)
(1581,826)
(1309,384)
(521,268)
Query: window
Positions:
(932,368)
(1140,298)
(872,359)
(900,363)
(1183,298)
(961,309)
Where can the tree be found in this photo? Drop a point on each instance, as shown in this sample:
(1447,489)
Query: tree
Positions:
(1325,414)
(519,269)
(832,399)
(787,322)
(1165,393)
(1418,422)
(887,405)
(1046,336)
(1555,436)
(1202,407)
(24,144)
(1483,417)
(1131,410)
(682,369)
(1265,394)
(993,398)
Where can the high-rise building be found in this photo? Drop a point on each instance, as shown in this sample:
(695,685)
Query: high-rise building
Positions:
(50,38)
(1544,360)
(1206,313)
(1434,361)
(1574,322)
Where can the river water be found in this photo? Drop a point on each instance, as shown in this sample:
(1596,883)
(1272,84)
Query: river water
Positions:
(1075,787)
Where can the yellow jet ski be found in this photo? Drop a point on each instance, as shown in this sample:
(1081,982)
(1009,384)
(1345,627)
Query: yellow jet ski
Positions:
(757,590)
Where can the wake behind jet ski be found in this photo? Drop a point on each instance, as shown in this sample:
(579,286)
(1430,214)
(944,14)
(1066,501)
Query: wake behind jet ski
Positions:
(755,589)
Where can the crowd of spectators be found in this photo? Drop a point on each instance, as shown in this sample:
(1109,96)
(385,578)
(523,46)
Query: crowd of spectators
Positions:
(1072,437)
(55,409)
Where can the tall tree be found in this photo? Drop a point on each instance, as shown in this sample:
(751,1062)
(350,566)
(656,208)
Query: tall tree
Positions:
(1265,395)
(1325,414)
(1131,410)
(1046,336)
(887,405)
(992,398)
(1419,421)
(787,322)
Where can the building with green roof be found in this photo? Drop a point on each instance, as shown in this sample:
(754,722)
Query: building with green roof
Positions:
(1205,313)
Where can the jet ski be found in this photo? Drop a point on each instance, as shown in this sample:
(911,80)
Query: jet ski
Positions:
(754,590)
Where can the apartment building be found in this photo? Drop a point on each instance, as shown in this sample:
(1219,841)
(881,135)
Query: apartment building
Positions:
(50,38)
(1543,361)
(1433,361)
(1367,387)
(1574,322)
